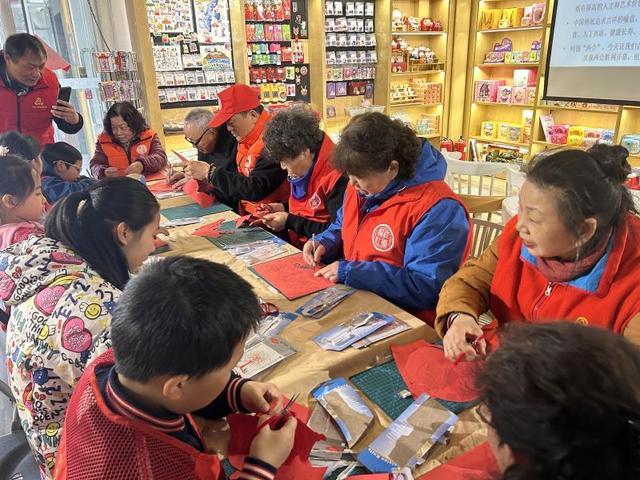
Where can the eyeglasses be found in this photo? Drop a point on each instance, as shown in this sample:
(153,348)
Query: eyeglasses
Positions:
(72,165)
(195,143)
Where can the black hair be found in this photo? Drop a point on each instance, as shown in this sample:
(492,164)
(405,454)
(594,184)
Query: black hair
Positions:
(371,141)
(53,152)
(566,399)
(130,114)
(290,132)
(586,185)
(181,316)
(16,177)
(18,45)
(85,222)
(22,145)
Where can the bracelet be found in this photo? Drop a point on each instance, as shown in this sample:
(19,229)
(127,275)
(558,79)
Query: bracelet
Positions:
(212,169)
(451,318)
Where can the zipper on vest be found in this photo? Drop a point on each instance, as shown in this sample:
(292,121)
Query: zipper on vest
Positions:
(545,296)
(18,114)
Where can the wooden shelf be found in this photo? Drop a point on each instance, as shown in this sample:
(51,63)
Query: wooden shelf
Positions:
(508,65)
(512,29)
(573,109)
(549,144)
(414,104)
(496,104)
(419,33)
(431,136)
(498,142)
(416,74)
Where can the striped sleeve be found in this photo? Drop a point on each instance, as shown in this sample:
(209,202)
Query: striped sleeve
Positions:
(227,402)
(255,469)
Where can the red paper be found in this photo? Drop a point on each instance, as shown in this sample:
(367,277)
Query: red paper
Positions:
(248,220)
(211,230)
(371,476)
(292,276)
(158,187)
(478,463)
(150,177)
(205,200)
(301,412)
(245,427)
(159,243)
(425,369)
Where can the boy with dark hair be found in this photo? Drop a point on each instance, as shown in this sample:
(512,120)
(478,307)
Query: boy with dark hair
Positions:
(174,346)
(61,172)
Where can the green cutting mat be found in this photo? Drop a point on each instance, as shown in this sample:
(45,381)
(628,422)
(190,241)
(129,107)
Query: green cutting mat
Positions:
(193,210)
(238,236)
(382,385)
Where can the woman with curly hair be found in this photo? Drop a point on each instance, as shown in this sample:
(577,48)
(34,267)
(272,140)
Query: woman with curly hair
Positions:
(293,140)
(562,402)
(401,231)
(127,145)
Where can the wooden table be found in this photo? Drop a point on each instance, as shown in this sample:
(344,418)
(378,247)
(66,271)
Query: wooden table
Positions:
(312,365)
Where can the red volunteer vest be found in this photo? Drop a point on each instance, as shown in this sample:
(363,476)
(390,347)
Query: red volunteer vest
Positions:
(381,235)
(249,151)
(520,292)
(92,430)
(117,156)
(313,206)
(30,114)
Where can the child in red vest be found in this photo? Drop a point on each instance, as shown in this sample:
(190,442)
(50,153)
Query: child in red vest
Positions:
(401,231)
(174,348)
(293,140)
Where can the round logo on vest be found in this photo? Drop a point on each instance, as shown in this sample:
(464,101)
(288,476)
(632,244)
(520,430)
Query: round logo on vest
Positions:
(314,201)
(382,238)
(141,149)
(582,321)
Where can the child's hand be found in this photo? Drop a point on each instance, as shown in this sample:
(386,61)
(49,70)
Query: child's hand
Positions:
(313,255)
(274,446)
(330,272)
(111,172)
(257,397)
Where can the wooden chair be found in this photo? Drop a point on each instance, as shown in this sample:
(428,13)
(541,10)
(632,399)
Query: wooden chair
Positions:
(477,181)
(515,179)
(484,232)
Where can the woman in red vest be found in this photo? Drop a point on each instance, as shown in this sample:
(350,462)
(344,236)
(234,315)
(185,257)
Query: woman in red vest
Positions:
(293,139)
(572,253)
(127,145)
(401,231)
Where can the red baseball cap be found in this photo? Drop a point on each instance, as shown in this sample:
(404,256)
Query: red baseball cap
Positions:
(232,100)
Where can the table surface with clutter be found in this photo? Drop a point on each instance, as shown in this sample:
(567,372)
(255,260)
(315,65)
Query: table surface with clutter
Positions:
(304,342)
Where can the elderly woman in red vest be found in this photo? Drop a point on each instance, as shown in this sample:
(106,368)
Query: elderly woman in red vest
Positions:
(401,231)
(294,140)
(572,253)
(127,145)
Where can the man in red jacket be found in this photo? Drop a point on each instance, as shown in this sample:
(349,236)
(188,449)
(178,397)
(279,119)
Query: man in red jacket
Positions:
(29,92)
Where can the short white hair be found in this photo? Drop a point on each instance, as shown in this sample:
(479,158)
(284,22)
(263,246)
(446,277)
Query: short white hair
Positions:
(199,116)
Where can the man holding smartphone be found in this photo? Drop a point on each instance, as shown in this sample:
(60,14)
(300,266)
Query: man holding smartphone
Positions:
(30,95)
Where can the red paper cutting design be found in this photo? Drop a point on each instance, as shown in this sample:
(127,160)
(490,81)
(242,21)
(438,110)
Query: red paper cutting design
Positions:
(245,427)
(205,200)
(478,463)
(150,177)
(211,230)
(159,187)
(425,369)
(292,276)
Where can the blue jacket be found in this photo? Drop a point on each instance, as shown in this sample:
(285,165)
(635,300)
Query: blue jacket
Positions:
(433,252)
(54,188)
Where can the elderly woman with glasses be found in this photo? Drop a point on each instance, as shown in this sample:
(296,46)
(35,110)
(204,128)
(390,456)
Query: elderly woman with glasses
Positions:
(127,145)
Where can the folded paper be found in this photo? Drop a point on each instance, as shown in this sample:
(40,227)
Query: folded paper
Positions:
(425,369)
(203,199)
(478,463)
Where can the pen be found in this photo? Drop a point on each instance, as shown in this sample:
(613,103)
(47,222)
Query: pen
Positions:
(313,245)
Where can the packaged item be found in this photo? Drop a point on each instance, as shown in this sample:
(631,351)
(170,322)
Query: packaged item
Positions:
(519,95)
(360,326)
(577,131)
(346,408)
(410,438)
(631,142)
(488,129)
(487,90)
(559,134)
(504,94)
(524,77)
(547,121)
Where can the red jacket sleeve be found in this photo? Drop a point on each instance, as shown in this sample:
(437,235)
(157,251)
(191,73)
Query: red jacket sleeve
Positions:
(156,159)
(99,162)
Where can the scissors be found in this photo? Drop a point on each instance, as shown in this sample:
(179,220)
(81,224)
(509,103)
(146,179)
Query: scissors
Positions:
(279,420)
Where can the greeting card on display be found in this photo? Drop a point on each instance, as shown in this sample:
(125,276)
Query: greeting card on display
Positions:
(167,16)
(217,58)
(167,57)
(292,276)
(212,20)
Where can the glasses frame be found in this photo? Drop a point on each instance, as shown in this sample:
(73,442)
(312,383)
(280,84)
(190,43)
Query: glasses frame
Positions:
(195,144)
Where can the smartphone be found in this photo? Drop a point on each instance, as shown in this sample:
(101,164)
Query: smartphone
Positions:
(64,94)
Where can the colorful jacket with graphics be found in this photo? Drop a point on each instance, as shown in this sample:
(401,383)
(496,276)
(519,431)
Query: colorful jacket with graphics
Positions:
(60,316)
(434,246)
